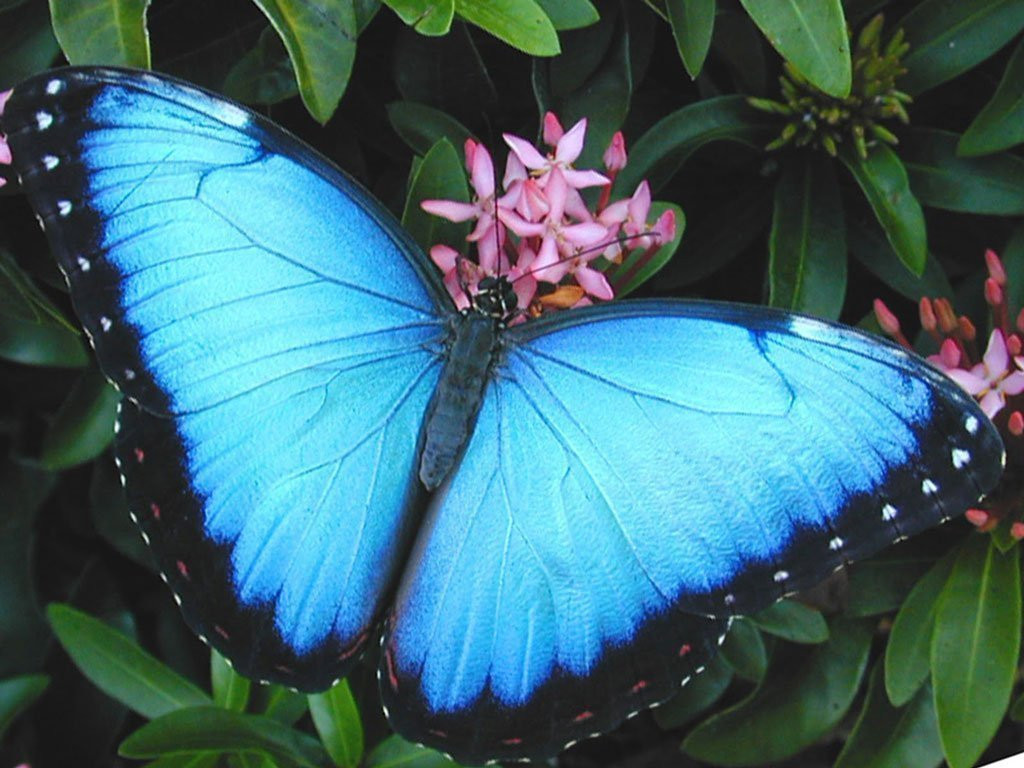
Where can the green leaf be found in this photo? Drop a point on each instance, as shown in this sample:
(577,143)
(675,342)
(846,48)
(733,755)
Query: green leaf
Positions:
(211,729)
(440,176)
(428,17)
(886,737)
(698,695)
(27,44)
(744,650)
(974,647)
(1000,124)
(365,12)
(284,705)
(119,667)
(992,185)
(692,22)
(868,245)
(396,752)
(83,426)
(320,37)
(637,267)
(108,32)
(20,299)
(569,14)
(884,182)
(879,585)
(907,654)
(230,689)
(34,344)
(803,696)
(810,35)
(263,75)
(663,150)
(421,126)
(520,23)
(336,718)
(17,694)
(807,246)
(792,621)
(1013,263)
(948,37)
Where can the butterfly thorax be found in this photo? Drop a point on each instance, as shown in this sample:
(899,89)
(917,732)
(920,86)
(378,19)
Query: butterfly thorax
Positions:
(453,410)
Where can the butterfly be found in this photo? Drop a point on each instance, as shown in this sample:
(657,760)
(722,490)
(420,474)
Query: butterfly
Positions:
(547,524)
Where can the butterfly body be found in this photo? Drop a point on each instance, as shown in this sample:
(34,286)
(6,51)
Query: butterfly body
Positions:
(610,484)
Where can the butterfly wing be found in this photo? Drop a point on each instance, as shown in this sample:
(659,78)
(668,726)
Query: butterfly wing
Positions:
(639,466)
(277,339)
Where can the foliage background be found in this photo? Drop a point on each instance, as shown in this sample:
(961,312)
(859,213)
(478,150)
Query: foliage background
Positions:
(904,660)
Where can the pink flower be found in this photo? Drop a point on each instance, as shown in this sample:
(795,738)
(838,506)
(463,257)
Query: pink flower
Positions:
(567,148)
(615,156)
(991,380)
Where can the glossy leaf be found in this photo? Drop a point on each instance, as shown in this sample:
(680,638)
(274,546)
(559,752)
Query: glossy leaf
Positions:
(744,650)
(637,267)
(974,647)
(284,705)
(879,585)
(107,32)
(20,299)
(868,245)
(336,718)
(264,75)
(692,22)
(17,695)
(886,737)
(520,23)
(1000,124)
(803,696)
(885,184)
(807,246)
(792,621)
(993,184)
(47,345)
(570,14)
(396,752)
(697,695)
(810,35)
(365,10)
(83,427)
(27,44)
(230,689)
(908,653)
(320,37)
(428,17)
(440,176)
(212,729)
(948,37)
(666,146)
(421,126)
(119,667)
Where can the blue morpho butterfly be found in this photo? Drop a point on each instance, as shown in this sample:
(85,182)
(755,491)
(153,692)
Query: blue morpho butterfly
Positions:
(551,522)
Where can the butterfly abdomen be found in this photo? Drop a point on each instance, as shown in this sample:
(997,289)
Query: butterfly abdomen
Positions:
(453,410)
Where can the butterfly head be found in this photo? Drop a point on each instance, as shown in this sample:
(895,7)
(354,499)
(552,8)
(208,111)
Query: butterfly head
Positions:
(496,298)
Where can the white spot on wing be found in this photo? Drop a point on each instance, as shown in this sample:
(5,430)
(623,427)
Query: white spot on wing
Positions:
(928,487)
(63,207)
(836,544)
(971,425)
(105,323)
(888,512)
(83,264)
(961,458)
(50,162)
(43,120)
(54,87)
(780,576)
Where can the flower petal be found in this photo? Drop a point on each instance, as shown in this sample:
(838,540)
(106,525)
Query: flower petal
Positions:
(519,225)
(971,383)
(483,173)
(445,257)
(526,152)
(451,209)
(571,144)
(594,283)
(583,179)
(1013,384)
(996,357)
(582,235)
(992,403)
(553,130)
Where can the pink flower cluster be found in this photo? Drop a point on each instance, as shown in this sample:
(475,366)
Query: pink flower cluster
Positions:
(539,229)
(994,378)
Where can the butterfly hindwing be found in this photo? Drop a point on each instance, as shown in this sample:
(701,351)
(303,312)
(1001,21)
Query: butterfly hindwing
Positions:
(277,339)
(639,465)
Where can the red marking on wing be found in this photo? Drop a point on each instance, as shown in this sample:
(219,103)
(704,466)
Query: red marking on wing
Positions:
(686,648)
(582,716)
(183,569)
(638,687)
(139,455)
(221,631)
(512,742)
(389,662)
(155,510)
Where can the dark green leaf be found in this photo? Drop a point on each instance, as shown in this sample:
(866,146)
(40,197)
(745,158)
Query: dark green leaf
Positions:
(886,737)
(868,245)
(792,621)
(740,45)
(569,14)
(230,689)
(948,37)
(421,127)
(993,184)
(907,654)
(285,706)
(428,17)
(198,760)
(879,585)
(520,23)
(33,344)
(440,176)
(27,44)
(83,427)
(1000,124)
(264,75)
(365,11)
(396,752)
(810,35)
(336,718)
(320,36)
(637,267)
(20,299)
(1013,263)
(17,695)
(663,150)
(884,182)
(807,247)
(119,667)
(211,729)
(696,696)
(803,696)
(744,650)
(107,32)
(974,647)
(692,22)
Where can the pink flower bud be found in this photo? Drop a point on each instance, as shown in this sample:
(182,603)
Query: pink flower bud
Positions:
(927,313)
(615,156)
(977,517)
(553,130)
(469,150)
(886,319)
(1017,531)
(949,354)
(995,267)
(993,292)
(1015,424)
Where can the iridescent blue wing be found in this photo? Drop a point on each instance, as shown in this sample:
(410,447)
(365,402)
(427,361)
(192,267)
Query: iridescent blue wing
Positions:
(277,339)
(637,466)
